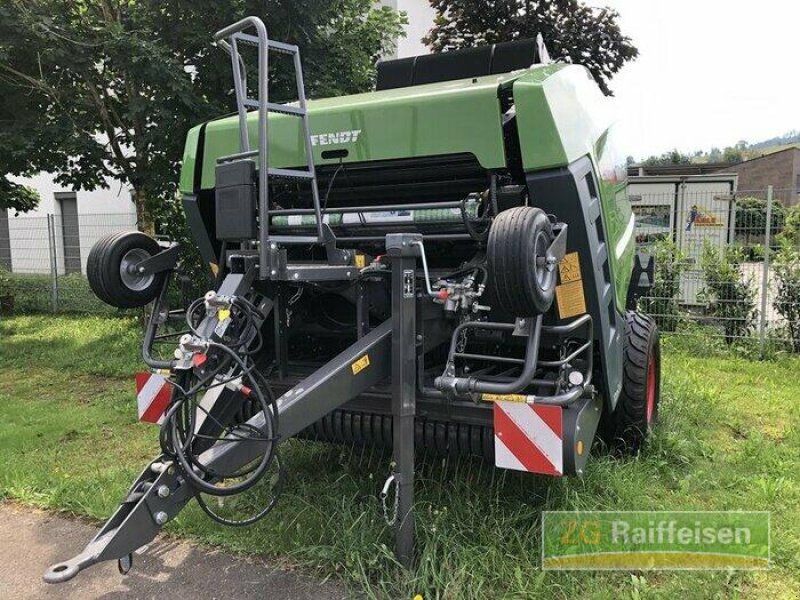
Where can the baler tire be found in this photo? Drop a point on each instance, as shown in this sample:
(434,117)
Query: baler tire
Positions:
(103,269)
(517,236)
(626,430)
(93,271)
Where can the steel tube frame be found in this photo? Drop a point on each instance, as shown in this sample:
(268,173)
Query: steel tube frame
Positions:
(403,252)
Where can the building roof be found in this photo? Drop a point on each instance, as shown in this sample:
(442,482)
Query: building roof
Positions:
(684,169)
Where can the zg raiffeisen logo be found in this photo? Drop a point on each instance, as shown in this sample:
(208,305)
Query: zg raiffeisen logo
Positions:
(655,540)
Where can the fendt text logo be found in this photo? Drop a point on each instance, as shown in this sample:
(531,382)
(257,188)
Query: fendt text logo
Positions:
(336,137)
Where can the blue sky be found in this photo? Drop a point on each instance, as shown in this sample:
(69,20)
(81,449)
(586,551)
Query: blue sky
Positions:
(710,73)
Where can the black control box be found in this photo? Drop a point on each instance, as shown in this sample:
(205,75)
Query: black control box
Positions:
(236,200)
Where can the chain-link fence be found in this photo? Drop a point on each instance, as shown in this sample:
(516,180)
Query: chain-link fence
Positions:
(43,265)
(727,264)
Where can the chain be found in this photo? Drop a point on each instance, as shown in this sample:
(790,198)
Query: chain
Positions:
(390,520)
(461,344)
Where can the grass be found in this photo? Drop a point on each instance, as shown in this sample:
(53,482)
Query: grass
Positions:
(729,439)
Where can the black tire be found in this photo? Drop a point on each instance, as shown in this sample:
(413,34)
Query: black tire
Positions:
(103,269)
(93,271)
(625,430)
(517,237)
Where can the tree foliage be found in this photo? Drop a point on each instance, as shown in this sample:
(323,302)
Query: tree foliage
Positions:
(571,30)
(97,89)
(673,157)
(751,217)
(17,197)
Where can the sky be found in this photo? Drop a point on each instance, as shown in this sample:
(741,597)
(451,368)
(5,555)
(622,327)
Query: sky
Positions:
(709,73)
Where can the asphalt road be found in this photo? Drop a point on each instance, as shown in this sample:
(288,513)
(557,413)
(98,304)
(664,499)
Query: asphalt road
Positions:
(31,540)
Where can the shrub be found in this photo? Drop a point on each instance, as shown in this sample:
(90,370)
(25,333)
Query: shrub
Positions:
(6,293)
(663,300)
(787,291)
(731,300)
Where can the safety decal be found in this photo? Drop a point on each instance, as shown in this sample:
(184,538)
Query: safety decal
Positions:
(153,395)
(528,437)
(361,364)
(570,298)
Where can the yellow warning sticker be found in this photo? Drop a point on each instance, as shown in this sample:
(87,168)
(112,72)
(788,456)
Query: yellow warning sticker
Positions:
(223,313)
(361,364)
(570,299)
(361,261)
(570,268)
(504,397)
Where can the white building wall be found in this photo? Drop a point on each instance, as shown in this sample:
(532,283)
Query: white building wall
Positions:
(100,212)
(420,20)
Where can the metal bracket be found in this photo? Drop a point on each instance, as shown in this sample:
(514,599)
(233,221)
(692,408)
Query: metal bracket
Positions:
(558,247)
(166,260)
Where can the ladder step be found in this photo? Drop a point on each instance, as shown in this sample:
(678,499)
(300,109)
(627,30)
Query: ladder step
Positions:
(252,40)
(237,156)
(285,109)
(294,239)
(283,48)
(290,173)
(246,38)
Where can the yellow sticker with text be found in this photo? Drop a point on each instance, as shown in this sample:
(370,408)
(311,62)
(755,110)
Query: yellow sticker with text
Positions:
(570,268)
(361,364)
(504,397)
(570,299)
(361,261)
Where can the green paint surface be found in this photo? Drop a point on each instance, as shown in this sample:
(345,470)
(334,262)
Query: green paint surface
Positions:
(451,117)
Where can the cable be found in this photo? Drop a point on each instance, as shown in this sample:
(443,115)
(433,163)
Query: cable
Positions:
(179,437)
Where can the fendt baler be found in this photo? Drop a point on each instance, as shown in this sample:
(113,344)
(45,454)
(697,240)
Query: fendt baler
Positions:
(444,264)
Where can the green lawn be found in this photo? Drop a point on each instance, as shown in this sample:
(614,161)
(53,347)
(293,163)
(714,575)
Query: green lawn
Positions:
(729,438)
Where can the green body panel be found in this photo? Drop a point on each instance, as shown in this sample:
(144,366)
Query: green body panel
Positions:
(428,120)
(562,116)
(186,184)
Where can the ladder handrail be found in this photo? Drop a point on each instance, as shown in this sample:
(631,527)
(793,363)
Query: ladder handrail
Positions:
(227,40)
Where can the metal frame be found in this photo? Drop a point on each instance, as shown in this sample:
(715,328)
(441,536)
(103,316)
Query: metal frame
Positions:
(229,38)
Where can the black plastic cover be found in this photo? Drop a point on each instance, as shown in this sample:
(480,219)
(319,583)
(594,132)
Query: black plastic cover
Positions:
(236,201)
(456,64)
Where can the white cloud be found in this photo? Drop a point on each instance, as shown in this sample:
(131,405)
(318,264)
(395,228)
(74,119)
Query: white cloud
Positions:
(710,73)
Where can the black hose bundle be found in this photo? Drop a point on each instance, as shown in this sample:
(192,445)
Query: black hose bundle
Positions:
(234,363)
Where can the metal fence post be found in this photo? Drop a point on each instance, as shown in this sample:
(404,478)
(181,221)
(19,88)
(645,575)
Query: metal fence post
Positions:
(51,242)
(762,329)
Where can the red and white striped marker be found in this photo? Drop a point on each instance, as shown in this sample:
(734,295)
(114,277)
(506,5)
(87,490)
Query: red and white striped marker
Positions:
(153,394)
(528,437)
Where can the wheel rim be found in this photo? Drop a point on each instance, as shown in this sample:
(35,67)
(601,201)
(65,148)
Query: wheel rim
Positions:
(127,270)
(651,388)
(545,274)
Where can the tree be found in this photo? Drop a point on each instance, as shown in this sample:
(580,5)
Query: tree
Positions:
(673,157)
(571,30)
(732,154)
(93,89)
(751,218)
(17,197)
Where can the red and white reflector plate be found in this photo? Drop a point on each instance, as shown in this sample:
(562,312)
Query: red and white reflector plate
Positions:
(528,437)
(153,394)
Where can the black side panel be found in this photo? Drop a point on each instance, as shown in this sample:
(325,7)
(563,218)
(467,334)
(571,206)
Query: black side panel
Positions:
(395,73)
(456,64)
(510,56)
(571,194)
(447,66)
(200,218)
